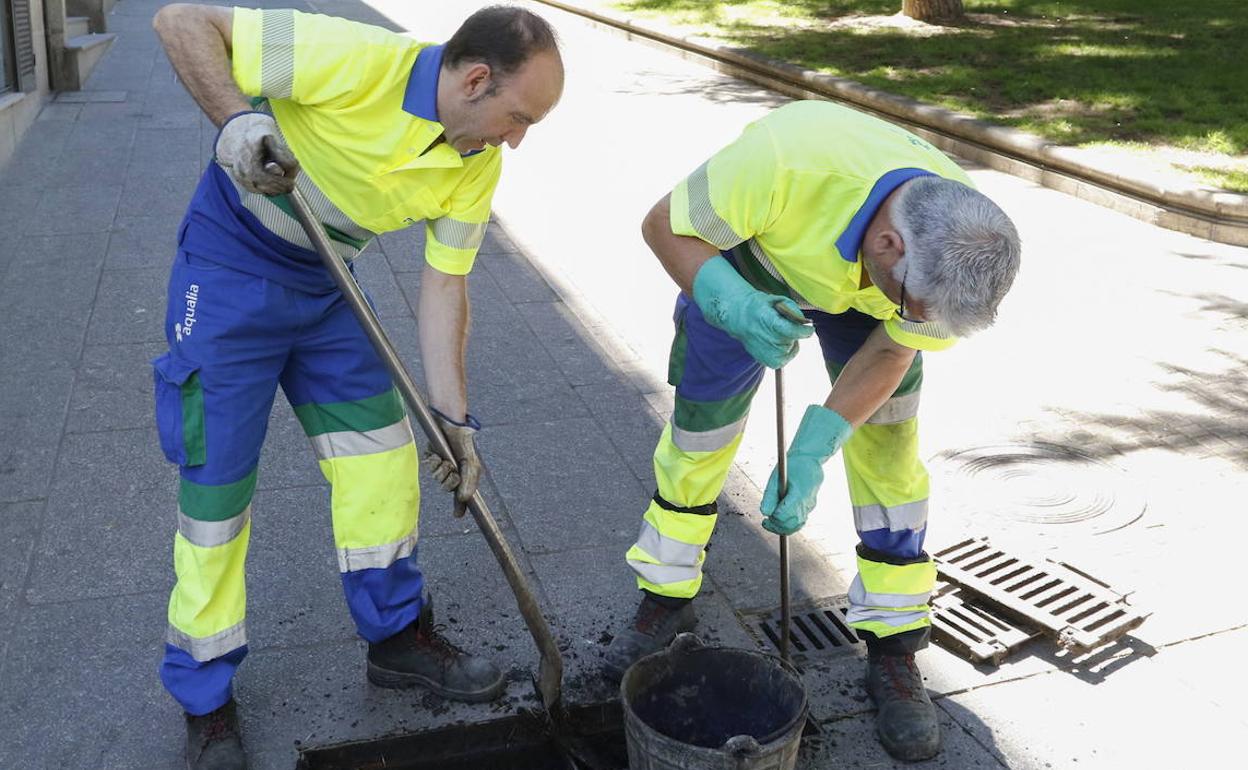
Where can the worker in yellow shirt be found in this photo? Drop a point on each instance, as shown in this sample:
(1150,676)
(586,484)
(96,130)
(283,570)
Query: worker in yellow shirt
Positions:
(378,132)
(883,244)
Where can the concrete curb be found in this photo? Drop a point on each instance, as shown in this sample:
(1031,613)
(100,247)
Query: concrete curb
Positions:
(1214,215)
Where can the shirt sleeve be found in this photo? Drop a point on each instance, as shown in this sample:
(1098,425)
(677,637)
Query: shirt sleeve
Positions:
(928,335)
(452,241)
(729,198)
(308,58)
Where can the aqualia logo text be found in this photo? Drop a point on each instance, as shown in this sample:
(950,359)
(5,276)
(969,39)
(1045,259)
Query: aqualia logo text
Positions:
(183,328)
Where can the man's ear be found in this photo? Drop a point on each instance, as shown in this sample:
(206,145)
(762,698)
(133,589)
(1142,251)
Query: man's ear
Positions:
(886,245)
(476,80)
(894,246)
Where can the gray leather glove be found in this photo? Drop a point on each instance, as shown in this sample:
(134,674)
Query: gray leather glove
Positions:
(251,149)
(463,473)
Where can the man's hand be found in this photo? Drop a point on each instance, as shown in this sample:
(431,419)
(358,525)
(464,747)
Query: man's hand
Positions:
(820,435)
(729,303)
(248,146)
(463,474)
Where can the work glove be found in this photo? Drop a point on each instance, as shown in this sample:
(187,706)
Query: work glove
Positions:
(729,303)
(251,149)
(462,474)
(820,434)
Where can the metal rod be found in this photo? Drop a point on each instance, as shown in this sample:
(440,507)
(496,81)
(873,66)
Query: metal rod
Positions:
(550,670)
(782,471)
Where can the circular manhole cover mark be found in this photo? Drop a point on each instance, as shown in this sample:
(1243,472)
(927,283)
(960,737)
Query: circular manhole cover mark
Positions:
(1039,484)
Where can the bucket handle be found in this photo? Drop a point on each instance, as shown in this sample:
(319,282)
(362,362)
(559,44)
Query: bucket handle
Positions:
(685,643)
(742,747)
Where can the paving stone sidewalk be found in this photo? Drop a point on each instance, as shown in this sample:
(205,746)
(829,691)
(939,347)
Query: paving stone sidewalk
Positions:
(1120,339)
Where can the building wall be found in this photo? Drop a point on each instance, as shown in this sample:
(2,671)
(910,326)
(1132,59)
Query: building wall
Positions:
(19,110)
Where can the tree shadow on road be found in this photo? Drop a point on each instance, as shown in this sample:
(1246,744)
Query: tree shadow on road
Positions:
(1217,425)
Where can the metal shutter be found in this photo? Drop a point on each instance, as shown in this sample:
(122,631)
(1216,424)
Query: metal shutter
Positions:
(23,45)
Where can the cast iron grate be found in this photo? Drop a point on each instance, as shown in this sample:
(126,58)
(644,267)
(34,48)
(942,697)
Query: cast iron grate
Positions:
(1079,611)
(818,629)
(961,624)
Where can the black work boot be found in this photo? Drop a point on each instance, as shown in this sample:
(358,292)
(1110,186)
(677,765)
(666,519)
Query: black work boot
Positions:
(213,742)
(419,656)
(658,620)
(906,722)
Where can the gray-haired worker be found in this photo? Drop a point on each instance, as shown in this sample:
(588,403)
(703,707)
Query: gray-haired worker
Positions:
(882,242)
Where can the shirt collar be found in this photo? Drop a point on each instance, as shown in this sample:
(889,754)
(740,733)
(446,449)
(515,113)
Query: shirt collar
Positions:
(850,242)
(421,97)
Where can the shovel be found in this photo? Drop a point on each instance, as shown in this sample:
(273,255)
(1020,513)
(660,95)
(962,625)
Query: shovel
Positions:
(550,670)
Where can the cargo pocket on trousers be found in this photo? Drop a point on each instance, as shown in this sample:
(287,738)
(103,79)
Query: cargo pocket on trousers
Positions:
(179,410)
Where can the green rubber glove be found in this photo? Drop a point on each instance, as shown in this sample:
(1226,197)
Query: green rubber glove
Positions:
(820,434)
(730,303)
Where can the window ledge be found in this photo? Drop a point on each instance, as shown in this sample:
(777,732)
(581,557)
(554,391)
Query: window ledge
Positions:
(8,100)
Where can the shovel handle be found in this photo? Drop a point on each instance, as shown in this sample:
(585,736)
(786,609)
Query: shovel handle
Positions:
(550,673)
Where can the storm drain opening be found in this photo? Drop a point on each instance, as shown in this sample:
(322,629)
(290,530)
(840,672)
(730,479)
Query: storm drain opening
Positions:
(818,629)
(519,742)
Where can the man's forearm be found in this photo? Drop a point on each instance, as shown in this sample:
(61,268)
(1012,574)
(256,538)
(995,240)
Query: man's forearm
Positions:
(681,256)
(443,322)
(869,378)
(197,39)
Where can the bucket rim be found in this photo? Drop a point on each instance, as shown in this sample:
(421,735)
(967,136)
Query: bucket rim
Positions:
(693,645)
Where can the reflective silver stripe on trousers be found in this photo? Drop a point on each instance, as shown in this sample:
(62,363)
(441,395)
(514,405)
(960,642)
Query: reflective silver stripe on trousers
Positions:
(860,597)
(868,615)
(665,550)
(894,518)
(662,574)
(896,409)
(209,647)
(277,53)
(209,534)
(932,329)
(702,215)
(767,265)
(355,443)
(376,556)
(457,234)
(707,440)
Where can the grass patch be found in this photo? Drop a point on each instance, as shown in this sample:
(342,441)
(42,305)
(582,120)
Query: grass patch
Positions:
(1228,179)
(1151,72)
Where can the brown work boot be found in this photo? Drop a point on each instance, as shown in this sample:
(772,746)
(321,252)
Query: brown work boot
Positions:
(419,656)
(658,620)
(213,742)
(906,723)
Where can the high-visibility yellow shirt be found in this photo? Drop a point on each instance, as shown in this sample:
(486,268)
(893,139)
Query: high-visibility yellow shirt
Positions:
(357,105)
(798,189)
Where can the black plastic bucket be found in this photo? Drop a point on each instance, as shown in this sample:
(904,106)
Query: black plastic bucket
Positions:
(693,707)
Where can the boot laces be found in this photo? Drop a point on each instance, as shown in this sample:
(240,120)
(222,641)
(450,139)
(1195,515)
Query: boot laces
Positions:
(902,675)
(432,640)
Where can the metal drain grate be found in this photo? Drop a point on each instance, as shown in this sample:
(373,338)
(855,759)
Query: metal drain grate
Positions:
(961,624)
(1080,612)
(818,628)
